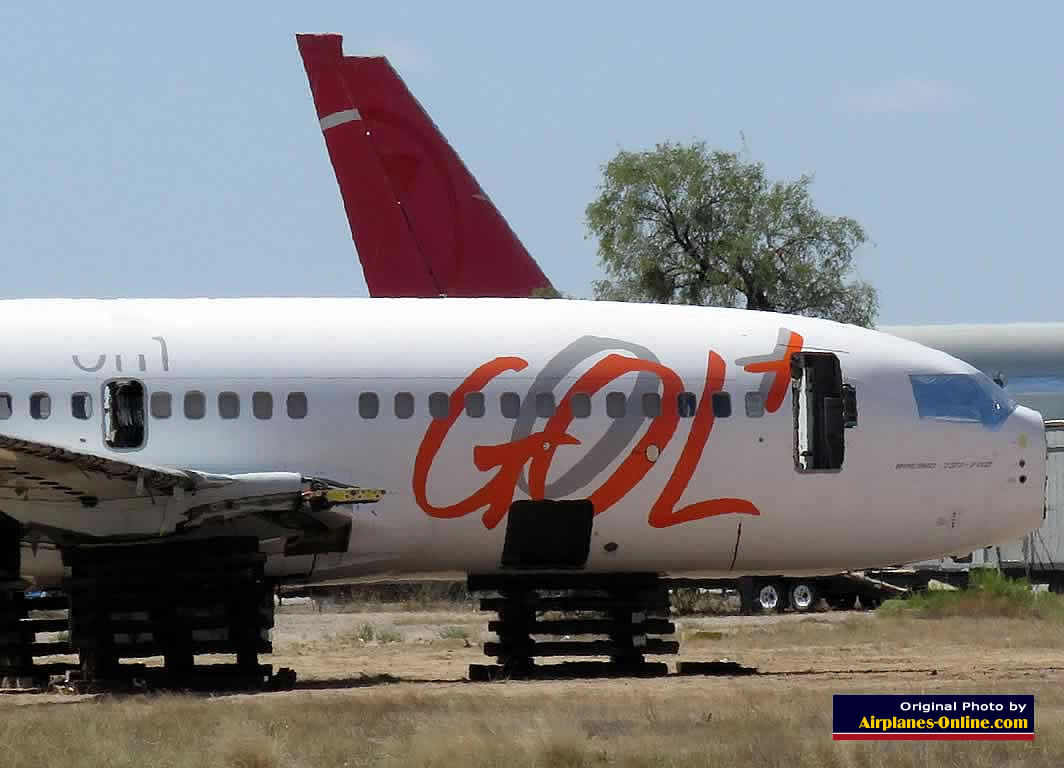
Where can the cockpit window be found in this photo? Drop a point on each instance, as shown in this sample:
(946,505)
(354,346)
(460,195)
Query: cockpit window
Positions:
(961,397)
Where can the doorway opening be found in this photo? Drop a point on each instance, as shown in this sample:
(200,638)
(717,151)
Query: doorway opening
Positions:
(823,408)
(123,413)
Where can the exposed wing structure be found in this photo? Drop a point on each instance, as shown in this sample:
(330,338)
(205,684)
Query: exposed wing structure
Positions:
(67,494)
(421,223)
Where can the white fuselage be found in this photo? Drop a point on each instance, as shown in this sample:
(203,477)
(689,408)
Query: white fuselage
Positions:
(909,488)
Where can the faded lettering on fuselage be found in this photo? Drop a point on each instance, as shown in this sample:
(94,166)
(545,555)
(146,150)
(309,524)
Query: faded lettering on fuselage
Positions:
(101,360)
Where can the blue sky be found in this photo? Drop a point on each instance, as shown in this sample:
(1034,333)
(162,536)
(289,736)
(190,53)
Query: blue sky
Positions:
(174,151)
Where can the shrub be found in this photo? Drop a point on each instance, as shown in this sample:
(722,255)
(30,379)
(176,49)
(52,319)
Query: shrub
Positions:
(989,594)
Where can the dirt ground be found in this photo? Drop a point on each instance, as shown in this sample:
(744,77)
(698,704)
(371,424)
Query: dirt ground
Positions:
(364,664)
(820,649)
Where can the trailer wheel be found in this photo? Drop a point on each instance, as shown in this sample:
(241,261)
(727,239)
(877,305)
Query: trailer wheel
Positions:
(770,597)
(803,596)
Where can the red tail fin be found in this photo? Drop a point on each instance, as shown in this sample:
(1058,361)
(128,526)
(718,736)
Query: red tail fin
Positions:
(421,223)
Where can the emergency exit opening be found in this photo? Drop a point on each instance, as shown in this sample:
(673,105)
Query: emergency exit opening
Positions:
(823,408)
(123,413)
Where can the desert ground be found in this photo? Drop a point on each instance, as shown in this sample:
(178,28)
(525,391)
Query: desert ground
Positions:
(384,685)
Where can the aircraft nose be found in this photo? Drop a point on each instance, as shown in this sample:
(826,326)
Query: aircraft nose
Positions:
(1024,455)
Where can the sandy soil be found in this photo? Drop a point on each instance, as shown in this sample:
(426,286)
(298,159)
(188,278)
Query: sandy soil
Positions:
(823,648)
(840,651)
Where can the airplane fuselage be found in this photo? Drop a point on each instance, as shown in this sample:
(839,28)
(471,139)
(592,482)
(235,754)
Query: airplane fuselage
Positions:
(691,430)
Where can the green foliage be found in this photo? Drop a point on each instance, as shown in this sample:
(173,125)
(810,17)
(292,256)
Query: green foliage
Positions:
(989,594)
(366,633)
(685,225)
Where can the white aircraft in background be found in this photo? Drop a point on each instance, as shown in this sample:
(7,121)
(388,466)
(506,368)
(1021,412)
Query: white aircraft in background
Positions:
(1027,359)
(507,435)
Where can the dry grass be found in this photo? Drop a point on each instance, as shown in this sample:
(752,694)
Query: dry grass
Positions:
(469,619)
(775,720)
(897,633)
(453,633)
(670,723)
(393,597)
(382,634)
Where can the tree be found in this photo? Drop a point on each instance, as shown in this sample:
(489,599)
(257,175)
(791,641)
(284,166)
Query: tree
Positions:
(685,225)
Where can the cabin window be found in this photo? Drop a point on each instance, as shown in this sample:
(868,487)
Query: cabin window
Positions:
(686,402)
(439,405)
(262,405)
(510,405)
(755,405)
(544,405)
(81,405)
(40,406)
(580,404)
(404,405)
(195,405)
(5,405)
(819,419)
(123,408)
(721,405)
(616,405)
(474,405)
(160,405)
(651,405)
(369,405)
(296,405)
(228,405)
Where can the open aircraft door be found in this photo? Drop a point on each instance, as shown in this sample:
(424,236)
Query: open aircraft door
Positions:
(824,407)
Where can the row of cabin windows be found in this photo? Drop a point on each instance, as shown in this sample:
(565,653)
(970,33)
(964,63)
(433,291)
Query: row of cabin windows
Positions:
(543,404)
(160,405)
(194,405)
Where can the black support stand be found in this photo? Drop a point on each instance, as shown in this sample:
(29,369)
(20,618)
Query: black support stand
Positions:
(586,615)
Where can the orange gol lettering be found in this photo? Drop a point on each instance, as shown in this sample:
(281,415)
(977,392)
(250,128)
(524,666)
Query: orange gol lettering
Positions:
(537,450)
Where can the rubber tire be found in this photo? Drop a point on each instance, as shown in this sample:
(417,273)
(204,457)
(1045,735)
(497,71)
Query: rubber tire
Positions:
(803,596)
(770,597)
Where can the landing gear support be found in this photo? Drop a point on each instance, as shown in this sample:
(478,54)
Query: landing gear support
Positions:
(175,600)
(16,657)
(622,611)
